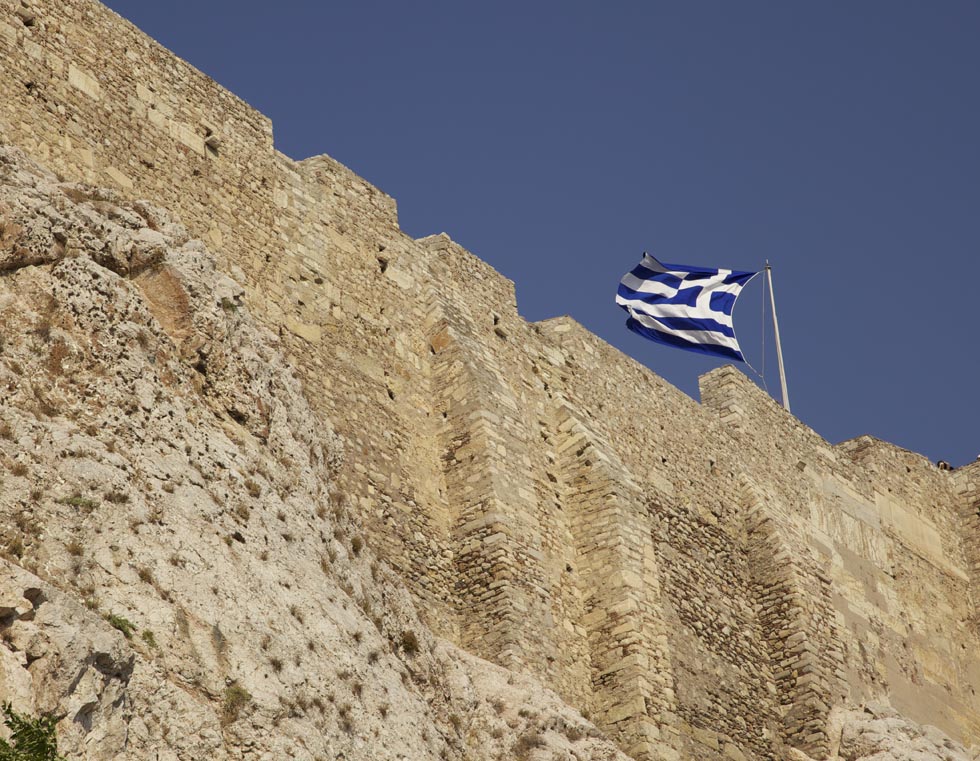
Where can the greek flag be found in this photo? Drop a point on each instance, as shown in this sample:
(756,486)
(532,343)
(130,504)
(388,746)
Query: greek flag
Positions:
(686,307)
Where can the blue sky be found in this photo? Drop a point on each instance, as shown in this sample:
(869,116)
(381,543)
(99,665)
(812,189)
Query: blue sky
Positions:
(559,140)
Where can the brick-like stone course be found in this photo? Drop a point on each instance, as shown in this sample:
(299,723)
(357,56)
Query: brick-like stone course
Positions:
(967,482)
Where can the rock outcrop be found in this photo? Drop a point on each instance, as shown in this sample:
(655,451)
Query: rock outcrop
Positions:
(181,581)
(879,733)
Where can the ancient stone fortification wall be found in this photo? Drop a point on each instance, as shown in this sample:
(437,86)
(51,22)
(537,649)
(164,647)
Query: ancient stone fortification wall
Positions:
(708,580)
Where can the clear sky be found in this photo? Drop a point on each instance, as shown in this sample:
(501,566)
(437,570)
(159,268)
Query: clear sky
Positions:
(559,140)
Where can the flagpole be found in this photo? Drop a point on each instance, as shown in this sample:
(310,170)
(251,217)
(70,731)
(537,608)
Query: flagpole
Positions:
(779,348)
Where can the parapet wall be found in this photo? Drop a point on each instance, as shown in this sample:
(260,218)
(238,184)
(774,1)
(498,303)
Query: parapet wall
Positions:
(97,100)
(708,580)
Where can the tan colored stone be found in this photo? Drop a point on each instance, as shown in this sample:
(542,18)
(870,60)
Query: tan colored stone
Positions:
(311,333)
(84,81)
(731,566)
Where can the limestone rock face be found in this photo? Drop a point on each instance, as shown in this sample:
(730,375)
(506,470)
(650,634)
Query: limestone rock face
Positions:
(182,578)
(879,733)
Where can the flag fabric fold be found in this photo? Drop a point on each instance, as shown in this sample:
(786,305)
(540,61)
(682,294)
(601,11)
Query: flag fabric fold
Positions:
(682,306)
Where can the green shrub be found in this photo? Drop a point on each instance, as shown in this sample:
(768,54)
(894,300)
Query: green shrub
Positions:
(33,739)
(124,625)
(77,500)
(236,698)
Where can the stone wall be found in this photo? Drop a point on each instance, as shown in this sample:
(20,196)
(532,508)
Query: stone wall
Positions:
(708,580)
(97,100)
(967,480)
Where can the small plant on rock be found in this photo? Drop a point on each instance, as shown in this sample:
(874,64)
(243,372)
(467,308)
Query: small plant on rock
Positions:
(30,739)
(15,547)
(80,502)
(236,698)
(527,743)
(356,544)
(409,642)
(124,625)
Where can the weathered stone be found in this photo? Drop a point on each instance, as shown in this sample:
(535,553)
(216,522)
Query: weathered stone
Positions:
(660,576)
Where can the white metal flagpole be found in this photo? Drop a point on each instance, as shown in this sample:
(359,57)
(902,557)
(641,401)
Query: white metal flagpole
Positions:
(779,348)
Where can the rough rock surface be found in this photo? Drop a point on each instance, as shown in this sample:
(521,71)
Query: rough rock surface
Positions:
(878,733)
(181,581)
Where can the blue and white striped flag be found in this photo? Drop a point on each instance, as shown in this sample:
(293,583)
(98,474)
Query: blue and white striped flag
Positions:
(686,307)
